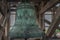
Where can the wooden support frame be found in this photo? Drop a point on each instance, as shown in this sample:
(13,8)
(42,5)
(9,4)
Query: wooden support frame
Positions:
(45,8)
(55,24)
(48,5)
(41,18)
(4,8)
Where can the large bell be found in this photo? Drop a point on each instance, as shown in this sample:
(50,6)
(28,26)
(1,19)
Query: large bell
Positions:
(25,23)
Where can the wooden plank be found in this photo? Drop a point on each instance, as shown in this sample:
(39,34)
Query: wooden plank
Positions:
(55,24)
(48,5)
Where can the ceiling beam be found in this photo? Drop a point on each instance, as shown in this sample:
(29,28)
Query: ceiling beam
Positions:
(55,24)
(48,5)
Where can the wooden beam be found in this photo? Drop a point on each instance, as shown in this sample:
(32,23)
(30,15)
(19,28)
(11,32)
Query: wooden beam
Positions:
(47,21)
(41,22)
(4,8)
(48,5)
(55,24)
(41,17)
(1,21)
(1,8)
(1,33)
(1,11)
(50,23)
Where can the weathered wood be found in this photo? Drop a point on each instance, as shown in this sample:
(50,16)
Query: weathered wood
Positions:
(44,8)
(48,5)
(41,17)
(55,24)
(1,33)
(4,8)
(1,21)
(47,21)
(41,22)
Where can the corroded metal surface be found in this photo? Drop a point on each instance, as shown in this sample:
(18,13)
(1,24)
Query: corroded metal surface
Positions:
(25,24)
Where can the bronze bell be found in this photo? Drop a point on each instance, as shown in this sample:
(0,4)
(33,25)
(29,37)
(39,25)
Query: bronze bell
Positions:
(25,23)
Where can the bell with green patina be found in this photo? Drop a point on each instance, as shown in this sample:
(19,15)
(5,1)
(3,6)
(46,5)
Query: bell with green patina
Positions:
(25,23)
